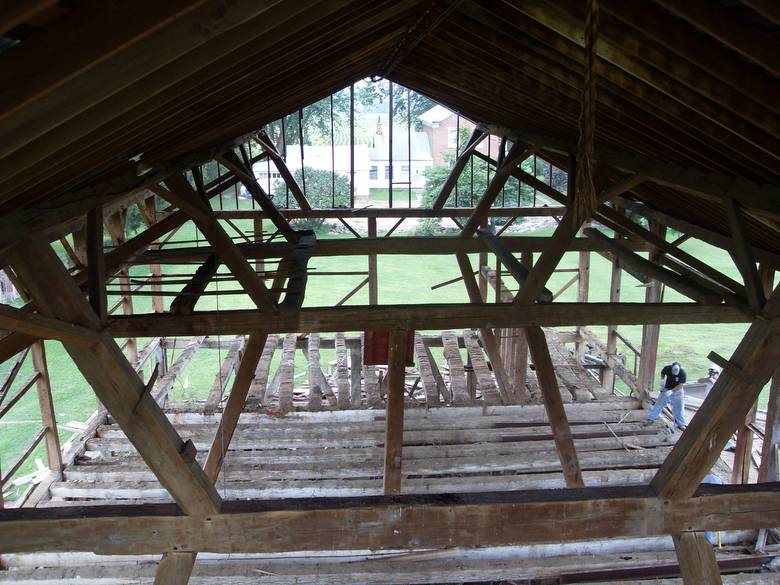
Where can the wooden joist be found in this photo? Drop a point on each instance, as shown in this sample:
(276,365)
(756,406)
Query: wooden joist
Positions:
(457,373)
(342,373)
(185,301)
(229,364)
(394,417)
(313,357)
(166,382)
(429,381)
(112,377)
(520,517)
(287,373)
(257,389)
(487,386)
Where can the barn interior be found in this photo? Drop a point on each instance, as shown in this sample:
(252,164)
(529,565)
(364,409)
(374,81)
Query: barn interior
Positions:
(494,434)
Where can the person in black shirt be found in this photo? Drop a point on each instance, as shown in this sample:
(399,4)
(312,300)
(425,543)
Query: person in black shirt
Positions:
(672,383)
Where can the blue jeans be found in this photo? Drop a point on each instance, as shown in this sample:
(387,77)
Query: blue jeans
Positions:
(711,478)
(678,406)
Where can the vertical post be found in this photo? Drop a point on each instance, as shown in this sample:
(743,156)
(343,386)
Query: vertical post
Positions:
(583,284)
(154,269)
(650,333)
(2,503)
(118,236)
(608,383)
(373,291)
(521,346)
(390,142)
(394,419)
(698,565)
(352,146)
(258,227)
(96,263)
(483,261)
(48,418)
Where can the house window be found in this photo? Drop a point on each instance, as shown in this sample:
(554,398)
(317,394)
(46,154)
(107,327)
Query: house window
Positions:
(373,173)
(388,172)
(452,137)
(405,172)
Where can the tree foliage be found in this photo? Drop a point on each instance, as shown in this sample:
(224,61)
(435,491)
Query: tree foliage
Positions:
(323,189)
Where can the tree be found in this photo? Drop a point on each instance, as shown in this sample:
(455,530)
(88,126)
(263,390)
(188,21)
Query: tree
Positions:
(407,103)
(323,189)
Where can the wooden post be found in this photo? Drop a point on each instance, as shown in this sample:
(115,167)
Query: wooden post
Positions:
(117,223)
(698,565)
(394,421)
(483,261)
(48,418)
(154,269)
(608,381)
(96,263)
(373,283)
(258,225)
(583,285)
(553,404)
(650,333)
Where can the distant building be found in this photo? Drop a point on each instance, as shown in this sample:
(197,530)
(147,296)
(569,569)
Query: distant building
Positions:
(319,157)
(441,126)
(411,156)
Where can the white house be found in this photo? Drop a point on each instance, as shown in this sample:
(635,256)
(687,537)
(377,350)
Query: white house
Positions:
(407,167)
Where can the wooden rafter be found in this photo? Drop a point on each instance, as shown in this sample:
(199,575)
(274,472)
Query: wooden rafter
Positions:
(185,301)
(457,168)
(743,257)
(265,143)
(114,381)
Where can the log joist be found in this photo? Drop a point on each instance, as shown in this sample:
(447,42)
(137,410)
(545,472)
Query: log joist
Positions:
(398,522)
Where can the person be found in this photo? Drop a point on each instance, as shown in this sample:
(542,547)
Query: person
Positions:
(709,380)
(712,479)
(673,378)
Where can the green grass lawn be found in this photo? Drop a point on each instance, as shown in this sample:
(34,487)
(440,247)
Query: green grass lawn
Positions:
(402,279)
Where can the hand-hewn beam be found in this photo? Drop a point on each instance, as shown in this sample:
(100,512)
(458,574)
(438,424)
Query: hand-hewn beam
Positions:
(185,301)
(420,317)
(743,257)
(380,523)
(553,405)
(113,379)
(184,196)
(96,263)
(457,168)
(698,565)
(680,283)
(232,161)
(297,274)
(38,325)
(726,407)
(394,419)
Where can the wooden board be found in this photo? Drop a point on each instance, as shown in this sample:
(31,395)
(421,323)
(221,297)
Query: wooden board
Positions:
(457,374)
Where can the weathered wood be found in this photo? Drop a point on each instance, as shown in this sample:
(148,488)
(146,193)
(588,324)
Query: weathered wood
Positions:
(373,273)
(393,212)
(553,404)
(185,301)
(175,568)
(417,521)
(166,382)
(46,405)
(267,145)
(394,417)
(228,365)
(184,196)
(457,374)
(651,332)
(680,283)
(96,263)
(297,274)
(355,376)
(113,379)
(313,357)
(725,409)
(429,382)
(743,257)
(10,377)
(287,373)
(232,161)
(421,317)
(485,382)
(342,373)
(40,326)
(512,264)
(697,559)
(259,384)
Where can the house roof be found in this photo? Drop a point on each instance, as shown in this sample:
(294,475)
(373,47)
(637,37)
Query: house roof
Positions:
(687,91)
(435,115)
(420,147)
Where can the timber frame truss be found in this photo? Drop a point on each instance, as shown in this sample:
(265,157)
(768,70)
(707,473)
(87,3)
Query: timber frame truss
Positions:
(78,316)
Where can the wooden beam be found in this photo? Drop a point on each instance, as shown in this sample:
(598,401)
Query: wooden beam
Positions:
(725,409)
(229,364)
(297,273)
(168,380)
(46,405)
(232,161)
(185,301)
(96,263)
(39,326)
(420,317)
(415,521)
(680,283)
(512,264)
(553,405)
(518,153)
(373,272)
(743,257)
(394,418)
(698,565)
(265,143)
(391,212)
(491,343)
(476,137)
(184,196)
(112,377)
